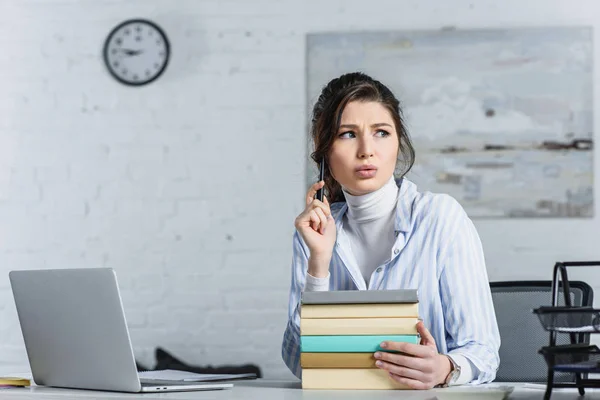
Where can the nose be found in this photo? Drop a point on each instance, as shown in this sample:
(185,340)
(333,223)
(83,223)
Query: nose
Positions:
(365,147)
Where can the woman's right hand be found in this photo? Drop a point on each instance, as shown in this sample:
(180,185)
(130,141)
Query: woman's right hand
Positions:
(317,227)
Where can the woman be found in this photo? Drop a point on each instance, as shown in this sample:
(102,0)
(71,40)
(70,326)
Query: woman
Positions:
(380,234)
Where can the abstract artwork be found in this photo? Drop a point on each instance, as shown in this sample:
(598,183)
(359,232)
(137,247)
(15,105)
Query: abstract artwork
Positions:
(501,119)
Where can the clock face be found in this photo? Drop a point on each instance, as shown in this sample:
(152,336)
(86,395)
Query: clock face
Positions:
(136,52)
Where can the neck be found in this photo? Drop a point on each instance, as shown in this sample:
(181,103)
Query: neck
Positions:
(374,205)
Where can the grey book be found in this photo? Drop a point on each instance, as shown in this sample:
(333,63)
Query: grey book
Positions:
(361,297)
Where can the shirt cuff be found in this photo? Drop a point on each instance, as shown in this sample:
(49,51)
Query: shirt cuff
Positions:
(316,284)
(466,369)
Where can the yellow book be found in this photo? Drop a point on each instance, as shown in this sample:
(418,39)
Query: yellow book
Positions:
(337,360)
(355,379)
(358,326)
(390,310)
(10,381)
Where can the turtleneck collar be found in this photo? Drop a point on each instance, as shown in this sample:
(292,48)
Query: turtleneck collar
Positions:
(374,205)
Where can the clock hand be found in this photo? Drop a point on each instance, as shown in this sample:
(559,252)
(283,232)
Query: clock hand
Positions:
(130,52)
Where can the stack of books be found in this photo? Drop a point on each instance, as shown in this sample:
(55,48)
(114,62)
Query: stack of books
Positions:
(341,330)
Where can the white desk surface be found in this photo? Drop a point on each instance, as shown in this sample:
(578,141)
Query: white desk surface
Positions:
(287,390)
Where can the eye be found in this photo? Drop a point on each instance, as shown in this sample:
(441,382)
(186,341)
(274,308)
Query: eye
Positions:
(346,135)
(382,133)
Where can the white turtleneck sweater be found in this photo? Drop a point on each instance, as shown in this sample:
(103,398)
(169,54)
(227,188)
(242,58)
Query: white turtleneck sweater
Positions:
(369,224)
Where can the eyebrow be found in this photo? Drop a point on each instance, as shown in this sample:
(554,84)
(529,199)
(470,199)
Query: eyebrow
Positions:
(352,126)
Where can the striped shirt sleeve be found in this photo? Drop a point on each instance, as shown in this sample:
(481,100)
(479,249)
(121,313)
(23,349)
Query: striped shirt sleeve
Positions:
(470,320)
(290,349)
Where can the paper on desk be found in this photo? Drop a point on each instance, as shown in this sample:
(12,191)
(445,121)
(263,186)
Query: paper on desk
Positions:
(174,375)
(580,329)
(489,391)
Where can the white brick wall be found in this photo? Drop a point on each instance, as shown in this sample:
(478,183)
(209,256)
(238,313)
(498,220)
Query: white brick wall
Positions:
(189,187)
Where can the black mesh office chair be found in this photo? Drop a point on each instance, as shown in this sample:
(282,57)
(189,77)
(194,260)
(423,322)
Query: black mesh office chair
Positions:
(522,334)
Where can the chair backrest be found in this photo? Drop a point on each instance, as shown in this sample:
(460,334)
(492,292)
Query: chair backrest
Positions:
(521,332)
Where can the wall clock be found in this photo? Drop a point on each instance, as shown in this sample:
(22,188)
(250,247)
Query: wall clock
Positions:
(136,52)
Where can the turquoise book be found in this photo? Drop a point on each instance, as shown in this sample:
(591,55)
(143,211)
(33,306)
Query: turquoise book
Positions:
(351,343)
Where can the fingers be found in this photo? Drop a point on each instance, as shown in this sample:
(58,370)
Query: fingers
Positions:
(322,206)
(411,383)
(313,190)
(414,372)
(319,220)
(402,371)
(326,201)
(322,218)
(315,221)
(403,361)
(411,349)
(317,214)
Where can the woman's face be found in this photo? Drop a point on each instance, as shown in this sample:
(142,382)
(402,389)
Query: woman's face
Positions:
(364,153)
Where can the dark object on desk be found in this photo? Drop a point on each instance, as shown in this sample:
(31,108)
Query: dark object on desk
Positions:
(140,367)
(522,335)
(165,360)
(575,322)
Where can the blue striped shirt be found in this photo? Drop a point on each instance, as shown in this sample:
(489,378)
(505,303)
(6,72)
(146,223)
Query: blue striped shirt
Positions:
(438,252)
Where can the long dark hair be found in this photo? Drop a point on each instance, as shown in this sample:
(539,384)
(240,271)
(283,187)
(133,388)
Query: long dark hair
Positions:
(327,114)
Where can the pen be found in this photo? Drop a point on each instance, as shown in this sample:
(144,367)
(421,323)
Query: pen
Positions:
(321,177)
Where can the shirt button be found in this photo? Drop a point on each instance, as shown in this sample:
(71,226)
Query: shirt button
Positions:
(396,251)
(378,269)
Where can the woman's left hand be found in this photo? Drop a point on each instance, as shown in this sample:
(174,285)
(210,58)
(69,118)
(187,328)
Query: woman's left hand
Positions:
(420,366)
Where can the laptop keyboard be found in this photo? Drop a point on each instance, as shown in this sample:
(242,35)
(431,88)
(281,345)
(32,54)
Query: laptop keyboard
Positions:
(154,382)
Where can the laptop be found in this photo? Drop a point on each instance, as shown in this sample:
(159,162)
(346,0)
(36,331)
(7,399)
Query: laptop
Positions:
(76,335)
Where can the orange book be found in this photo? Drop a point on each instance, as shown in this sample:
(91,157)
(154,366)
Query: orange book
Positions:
(337,360)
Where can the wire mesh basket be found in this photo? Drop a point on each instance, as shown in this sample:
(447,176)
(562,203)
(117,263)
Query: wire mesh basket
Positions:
(569,319)
(573,358)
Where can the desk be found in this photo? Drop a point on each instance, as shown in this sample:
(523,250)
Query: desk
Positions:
(286,390)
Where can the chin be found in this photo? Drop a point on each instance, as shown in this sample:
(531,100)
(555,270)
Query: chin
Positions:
(365,186)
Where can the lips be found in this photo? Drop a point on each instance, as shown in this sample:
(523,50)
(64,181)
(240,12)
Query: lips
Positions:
(366,168)
(366,171)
